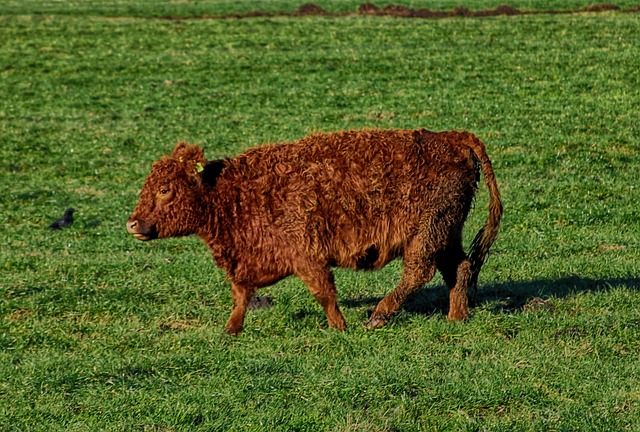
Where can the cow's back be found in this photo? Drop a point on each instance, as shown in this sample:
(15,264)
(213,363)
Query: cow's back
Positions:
(351,198)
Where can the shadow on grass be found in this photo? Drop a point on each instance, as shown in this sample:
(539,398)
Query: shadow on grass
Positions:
(506,297)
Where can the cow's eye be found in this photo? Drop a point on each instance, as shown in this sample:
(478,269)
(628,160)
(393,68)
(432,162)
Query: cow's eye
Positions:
(164,191)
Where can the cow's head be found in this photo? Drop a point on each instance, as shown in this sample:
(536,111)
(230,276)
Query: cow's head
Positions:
(172,202)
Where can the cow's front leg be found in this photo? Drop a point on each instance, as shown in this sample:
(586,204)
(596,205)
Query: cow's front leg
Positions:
(241,296)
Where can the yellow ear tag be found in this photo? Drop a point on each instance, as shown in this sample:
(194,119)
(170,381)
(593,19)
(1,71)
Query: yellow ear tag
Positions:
(199,167)
(180,159)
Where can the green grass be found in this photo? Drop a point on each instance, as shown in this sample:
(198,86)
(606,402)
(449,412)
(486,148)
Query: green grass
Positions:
(101,332)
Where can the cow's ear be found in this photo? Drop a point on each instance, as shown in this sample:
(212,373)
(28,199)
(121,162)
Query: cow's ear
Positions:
(212,171)
(192,156)
(184,152)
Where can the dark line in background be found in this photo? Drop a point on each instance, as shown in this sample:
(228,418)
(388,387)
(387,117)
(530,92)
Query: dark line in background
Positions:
(312,9)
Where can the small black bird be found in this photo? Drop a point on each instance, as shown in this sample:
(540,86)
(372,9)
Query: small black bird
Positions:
(65,221)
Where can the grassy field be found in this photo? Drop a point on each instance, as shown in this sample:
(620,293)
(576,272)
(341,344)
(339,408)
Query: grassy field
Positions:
(102,332)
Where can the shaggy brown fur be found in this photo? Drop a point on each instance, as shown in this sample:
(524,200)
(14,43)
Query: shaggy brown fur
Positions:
(354,199)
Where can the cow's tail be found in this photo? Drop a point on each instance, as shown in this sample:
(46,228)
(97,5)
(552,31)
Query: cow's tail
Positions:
(487,235)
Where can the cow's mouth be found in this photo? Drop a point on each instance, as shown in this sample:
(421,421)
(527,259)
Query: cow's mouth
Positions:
(141,230)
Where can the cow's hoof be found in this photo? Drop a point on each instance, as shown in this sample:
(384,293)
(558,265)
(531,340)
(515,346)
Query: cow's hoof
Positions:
(233,330)
(338,323)
(340,327)
(375,323)
(458,315)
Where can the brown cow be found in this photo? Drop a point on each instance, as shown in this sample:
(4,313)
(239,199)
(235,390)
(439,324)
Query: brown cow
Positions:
(354,199)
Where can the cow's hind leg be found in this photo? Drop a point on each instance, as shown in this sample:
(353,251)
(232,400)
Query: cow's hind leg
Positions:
(456,272)
(241,296)
(419,268)
(322,286)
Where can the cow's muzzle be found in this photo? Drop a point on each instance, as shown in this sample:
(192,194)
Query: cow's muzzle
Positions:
(141,230)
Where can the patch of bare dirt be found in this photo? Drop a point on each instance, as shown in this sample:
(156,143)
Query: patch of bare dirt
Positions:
(507,10)
(260,302)
(536,303)
(368,9)
(400,11)
(310,9)
(176,325)
(426,13)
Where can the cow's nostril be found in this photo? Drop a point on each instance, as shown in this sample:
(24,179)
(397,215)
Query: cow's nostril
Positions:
(132,225)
